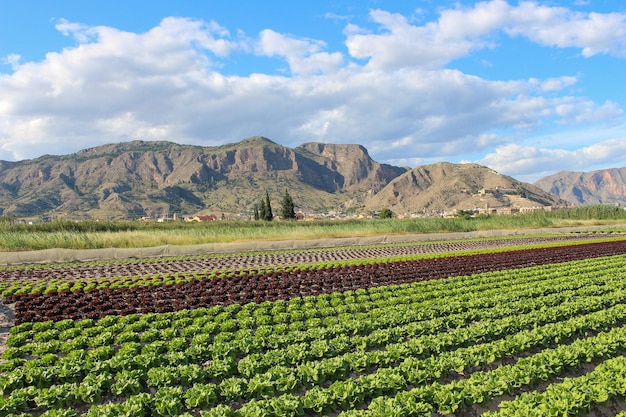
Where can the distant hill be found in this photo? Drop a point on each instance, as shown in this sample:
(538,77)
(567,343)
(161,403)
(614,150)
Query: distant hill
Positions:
(445,186)
(134,179)
(159,179)
(606,186)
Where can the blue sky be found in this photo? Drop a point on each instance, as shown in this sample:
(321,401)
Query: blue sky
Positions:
(525,88)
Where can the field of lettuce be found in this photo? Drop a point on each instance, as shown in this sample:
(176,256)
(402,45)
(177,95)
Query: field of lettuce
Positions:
(526,326)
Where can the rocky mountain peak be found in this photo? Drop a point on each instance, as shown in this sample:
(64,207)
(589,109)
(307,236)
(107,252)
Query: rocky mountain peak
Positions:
(142,178)
(137,178)
(256,141)
(606,186)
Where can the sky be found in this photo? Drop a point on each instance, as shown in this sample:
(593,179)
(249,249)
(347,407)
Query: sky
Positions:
(527,88)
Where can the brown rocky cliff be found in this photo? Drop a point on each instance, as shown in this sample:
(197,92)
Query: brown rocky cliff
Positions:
(112,180)
(131,179)
(357,169)
(606,181)
(607,186)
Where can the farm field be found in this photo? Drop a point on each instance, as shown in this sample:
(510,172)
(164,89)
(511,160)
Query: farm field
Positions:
(523,326)
(52,277)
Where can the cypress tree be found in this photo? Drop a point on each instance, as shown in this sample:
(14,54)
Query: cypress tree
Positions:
(288,212)
(268,208)
(262,210)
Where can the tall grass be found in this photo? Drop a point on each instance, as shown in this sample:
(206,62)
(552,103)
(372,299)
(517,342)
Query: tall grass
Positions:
(92,234)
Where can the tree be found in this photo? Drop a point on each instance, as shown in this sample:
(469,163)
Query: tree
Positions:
(464,214)
(385,213)
(257,215)
(265,209)
(288,211)
(262,210)
(268,208)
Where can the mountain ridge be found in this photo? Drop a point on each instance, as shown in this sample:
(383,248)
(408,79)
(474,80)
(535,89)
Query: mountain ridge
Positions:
(440,187)
(604,186)
(158,179)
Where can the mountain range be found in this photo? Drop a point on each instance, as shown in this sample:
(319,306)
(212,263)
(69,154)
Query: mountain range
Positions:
(161,179)
(606,186)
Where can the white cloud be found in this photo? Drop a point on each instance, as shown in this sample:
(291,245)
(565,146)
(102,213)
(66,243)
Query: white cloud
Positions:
(166,84)
(13,60)
(304,56)
(576,111)
(171,33)
(531,163)
(555,84)
(594,33)
(80,94)
(460,31)
(402,45)
(481,19)
(82,33)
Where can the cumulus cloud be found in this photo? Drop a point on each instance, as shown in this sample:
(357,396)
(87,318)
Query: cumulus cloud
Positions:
(402,44)
(593,33)
(82,93)
(460,31)
(530,163)
(390,93)
(304,56)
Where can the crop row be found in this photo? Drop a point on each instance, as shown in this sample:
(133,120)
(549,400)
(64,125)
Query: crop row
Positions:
(414,379)
(573,396)
(414,348)
(242,356)
(173,269)
(481,387)
(242,288)
(372,318)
